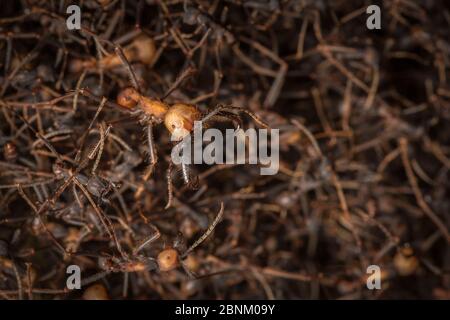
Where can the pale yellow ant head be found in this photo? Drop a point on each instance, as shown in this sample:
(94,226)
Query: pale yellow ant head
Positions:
(167,259)
(179,120)
(143,49)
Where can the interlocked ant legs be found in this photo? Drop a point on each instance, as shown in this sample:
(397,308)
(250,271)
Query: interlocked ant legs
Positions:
(139,263)
(73,176)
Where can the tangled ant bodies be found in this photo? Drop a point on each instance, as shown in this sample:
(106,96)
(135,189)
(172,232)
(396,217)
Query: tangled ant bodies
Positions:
(178,119)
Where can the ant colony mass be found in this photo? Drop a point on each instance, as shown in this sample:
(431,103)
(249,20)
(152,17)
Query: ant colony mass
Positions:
(183,121)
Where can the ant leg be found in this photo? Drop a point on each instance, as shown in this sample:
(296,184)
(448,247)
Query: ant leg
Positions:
(40,136)
(126,63)
(63,133)
(126,277)
(119,141)
(8,55)
(78,200)
(217,56)
(44,206)
(18,279)
(58,193)
(127,36)
(38,215)
(207,232)
(192,183)
(186,269)
(169,187)
(94,278)
(146,241)
(235,119)
(185,172)
(102,145)
(185,74)
(232,109)
(29,57)
(97,210)
(102,216)
(139,7)
(153,160)
(249,113)
(151,146)
(210,115)
(38,194)
(217,80)
(77,91)
(98,149)
(83,138)
(28,185)
(279,75)
(100,67)
(88,94)
(63,68)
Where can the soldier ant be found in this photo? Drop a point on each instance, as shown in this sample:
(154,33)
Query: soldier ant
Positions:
(178,119)
(166,260)
(141,49)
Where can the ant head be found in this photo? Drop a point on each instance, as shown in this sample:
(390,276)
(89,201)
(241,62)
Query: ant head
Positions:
(145,49)
(179,120)
(128,98)
(168,259)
